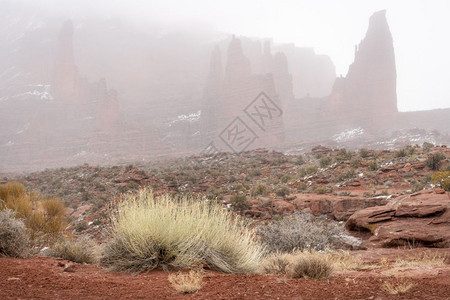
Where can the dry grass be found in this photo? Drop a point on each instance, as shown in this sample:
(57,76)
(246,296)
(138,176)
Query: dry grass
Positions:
(186,283)
(82,250)
(426,258)
(276,264)
(301,264)
(311,266)
(150,232)
(399,288)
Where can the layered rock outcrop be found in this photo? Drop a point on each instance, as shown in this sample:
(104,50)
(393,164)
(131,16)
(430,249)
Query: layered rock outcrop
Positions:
(421,219)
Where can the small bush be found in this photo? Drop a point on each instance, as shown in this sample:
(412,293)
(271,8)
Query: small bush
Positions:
(239,202)
(355,162)
(44,217)
(343,155)
(363,152)
(434,161)
(149,232)
(345,175)
(325,161)
(14,240)
(300,160)
(283,191)
(298,232)
(427,146)
(80,251)
(276,264)
(443,179)
(311,266)
(259,190)
(373,166)
(186,283)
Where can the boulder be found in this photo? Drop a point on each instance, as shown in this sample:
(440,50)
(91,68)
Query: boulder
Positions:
(420,219)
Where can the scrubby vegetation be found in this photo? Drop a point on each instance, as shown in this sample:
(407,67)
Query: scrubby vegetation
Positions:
(150,232)
(299,231)
(14,239)
(186,283)
(43,217)
(82,250)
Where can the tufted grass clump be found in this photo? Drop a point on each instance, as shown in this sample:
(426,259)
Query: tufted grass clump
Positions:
(150,232)
(82,250)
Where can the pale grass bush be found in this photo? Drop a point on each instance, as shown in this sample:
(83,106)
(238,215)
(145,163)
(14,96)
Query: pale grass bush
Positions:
(276,263)
(150,232)
(83,250)
(300,264)
(186,283)
(14,240)
(313,267)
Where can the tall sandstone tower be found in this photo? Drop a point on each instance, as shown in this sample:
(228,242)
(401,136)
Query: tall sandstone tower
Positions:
(367,95)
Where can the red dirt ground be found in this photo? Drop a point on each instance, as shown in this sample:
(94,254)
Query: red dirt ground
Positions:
(44,278)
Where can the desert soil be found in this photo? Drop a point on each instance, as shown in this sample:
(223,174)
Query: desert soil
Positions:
(45,278)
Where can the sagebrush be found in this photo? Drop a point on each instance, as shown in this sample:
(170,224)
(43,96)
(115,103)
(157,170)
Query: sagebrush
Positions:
(14,239)
(299,231)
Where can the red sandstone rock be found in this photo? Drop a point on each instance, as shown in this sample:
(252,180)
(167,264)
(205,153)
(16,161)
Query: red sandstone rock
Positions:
(421,219)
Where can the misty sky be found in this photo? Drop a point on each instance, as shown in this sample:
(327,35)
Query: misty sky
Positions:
(420,30)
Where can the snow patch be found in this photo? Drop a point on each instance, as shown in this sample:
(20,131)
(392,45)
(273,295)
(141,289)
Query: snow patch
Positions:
(348,135)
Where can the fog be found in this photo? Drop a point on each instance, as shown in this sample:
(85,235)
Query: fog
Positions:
(108,82)
(420,29)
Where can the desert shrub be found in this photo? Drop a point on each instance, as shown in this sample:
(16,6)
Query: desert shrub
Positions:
(277,263)
(283,191)
(149,232)
(434,161)
(345,175)
(307,170)
(325,161)
(355,162)
(363,152)
(298,232)
(214,194)
(80,251)
(323,190)
(343,155)
(259,190)
(442,178)
(311,266)
(427,146)
(186,283)
(44,217)
(14,240)
(372,165)
(300,160)
(406,151)
(239,202)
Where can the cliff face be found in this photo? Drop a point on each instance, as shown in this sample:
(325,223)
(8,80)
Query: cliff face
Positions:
(241,102)
(76,95)
(368,92)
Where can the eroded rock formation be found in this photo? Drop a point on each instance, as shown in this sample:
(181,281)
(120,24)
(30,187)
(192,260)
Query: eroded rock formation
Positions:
(367,95)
